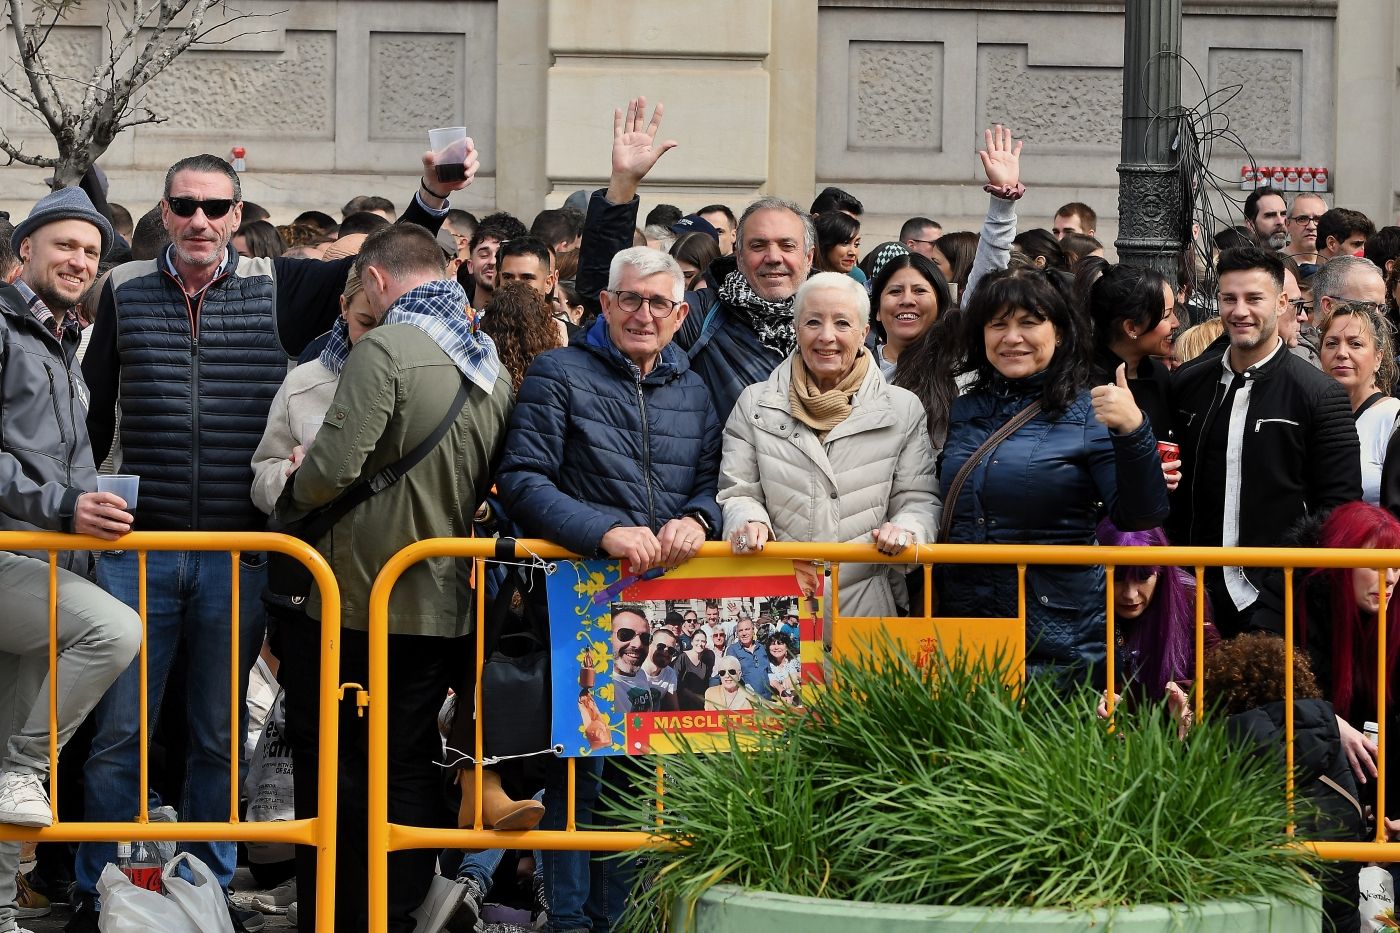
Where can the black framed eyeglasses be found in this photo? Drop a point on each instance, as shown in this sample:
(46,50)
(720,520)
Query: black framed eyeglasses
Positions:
(917,240)
(1306,219)
(631,302)
(1300,306)
(1359,306)
(627,636)
(213,208)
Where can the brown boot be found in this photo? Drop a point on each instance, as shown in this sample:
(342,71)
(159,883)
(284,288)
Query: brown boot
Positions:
(498,810)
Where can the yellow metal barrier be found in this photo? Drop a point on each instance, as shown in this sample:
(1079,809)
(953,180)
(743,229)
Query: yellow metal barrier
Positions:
(386,837)
(318,831)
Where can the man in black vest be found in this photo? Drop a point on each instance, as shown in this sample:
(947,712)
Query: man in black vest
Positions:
(195,344)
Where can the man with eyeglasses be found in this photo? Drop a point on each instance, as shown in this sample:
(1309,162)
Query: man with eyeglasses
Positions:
(613,450)
(194,344)
(1347,280)
(919,234)
(1306,210)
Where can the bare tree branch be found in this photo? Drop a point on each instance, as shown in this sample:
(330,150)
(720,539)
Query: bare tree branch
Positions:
(83,132)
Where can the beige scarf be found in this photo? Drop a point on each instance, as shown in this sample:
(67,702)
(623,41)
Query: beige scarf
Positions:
(822,411)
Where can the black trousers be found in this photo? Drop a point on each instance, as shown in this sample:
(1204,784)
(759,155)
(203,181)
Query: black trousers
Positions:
(420,669)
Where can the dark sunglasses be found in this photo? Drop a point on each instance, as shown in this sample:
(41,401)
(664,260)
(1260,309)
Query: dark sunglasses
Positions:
(213,208)
(729,672)
(666,651)
(627,635)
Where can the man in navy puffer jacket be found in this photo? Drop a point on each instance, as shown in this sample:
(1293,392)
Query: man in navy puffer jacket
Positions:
(613,449)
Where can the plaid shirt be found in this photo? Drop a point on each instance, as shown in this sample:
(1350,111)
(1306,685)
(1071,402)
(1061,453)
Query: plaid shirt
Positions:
(439,309)
(44,316)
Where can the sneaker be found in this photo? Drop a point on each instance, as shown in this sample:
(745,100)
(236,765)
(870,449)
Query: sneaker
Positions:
(292,913)
(245,921)
(23,800)
(29,902)
(84,918)
(539,913)
(277,900)
(443,901)
(468,914)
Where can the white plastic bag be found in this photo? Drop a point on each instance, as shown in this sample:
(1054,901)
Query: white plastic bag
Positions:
(1377,897)
(202,901)
(186,907)
(129,909)
(269,785)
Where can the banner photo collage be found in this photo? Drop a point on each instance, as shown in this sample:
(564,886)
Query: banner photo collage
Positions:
(637,660)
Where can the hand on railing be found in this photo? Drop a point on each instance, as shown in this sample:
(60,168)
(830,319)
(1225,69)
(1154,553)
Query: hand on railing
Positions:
(750,537)
(1360,751)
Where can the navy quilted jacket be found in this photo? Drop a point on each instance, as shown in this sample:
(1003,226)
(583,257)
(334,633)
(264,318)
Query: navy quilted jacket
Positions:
(1049,483)
(594,445)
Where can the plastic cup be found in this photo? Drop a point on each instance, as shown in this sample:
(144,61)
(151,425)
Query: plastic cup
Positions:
(449,147)
(309,429)
(120,484)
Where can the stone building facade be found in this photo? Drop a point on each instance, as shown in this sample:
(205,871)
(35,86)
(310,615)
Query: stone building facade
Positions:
(332,98)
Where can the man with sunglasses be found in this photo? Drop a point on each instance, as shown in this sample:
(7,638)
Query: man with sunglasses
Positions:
(195,343)
(613,450)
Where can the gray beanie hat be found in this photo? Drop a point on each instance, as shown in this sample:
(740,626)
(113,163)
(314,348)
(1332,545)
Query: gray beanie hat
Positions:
(63,204)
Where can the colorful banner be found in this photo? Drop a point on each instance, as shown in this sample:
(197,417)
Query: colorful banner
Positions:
(689,651)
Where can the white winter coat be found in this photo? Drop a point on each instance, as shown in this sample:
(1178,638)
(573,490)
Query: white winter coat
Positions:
(305,395)
(874,467)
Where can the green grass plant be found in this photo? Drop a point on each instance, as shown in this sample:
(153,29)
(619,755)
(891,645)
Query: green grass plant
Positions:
(946,786)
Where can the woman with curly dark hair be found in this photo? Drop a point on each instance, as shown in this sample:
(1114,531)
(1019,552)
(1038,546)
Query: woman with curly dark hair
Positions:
(518,319)
(1034,455)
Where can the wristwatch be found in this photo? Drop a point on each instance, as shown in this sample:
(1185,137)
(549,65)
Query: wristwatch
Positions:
(701,520)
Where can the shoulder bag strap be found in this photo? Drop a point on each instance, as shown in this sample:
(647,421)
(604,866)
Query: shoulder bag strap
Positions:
(950,501)
(315,525)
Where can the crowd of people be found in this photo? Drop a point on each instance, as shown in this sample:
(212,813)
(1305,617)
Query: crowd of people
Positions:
(631,390)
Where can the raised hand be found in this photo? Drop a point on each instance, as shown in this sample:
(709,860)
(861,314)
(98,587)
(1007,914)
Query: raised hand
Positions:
(434,192)
(635,149)
(1001,160)
(1114,406)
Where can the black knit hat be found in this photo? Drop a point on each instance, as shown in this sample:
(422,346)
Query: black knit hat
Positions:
(63,204)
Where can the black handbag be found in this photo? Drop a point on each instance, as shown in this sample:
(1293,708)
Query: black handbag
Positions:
(288,580)
(515,685)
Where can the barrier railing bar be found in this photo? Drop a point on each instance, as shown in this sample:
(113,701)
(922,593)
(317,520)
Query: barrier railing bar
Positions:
(1380,705)
(1200,682)
(143,768)
(1109,640)
(318,831)
(1288,690)
(53,681)
(235,698)
(479,574)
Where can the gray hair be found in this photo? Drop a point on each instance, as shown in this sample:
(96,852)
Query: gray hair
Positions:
(809,230)
(834,282)
(205,164)
(646,262)
(1331,279)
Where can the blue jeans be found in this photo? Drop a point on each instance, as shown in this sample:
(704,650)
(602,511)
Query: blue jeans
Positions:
(584,892)
(481,865)
(189,596)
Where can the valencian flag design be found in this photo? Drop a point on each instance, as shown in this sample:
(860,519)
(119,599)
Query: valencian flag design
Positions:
(691,650)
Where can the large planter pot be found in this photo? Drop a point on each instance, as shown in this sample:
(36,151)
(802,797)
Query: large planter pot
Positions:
(727,909)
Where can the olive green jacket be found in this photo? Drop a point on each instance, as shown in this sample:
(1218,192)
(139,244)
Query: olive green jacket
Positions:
(394,391)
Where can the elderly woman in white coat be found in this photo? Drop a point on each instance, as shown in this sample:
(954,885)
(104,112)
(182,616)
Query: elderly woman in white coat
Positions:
(826,450)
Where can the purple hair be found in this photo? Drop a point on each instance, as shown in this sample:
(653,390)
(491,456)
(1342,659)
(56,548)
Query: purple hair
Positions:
(1164,636)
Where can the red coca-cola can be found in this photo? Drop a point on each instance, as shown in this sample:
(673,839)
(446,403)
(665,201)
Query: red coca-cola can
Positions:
(1168,451)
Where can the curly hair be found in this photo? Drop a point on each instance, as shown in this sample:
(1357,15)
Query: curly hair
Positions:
(519,321)
(1246,673)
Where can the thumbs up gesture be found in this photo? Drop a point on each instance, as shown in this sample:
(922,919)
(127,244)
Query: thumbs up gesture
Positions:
(1114,406)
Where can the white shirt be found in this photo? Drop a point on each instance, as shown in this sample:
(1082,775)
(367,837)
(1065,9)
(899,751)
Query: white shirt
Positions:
(1374,427)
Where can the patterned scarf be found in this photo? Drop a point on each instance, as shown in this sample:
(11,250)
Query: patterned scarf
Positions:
(771,320)
(439,309)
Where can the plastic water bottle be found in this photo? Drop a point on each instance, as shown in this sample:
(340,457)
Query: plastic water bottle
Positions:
(139,863)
